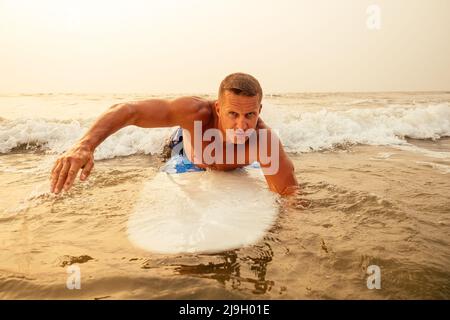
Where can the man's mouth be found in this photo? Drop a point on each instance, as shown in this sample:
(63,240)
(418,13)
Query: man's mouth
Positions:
(240,137)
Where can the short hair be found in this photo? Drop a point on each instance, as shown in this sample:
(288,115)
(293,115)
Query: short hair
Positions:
(241,84)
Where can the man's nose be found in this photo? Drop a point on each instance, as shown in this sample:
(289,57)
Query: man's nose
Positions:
(241,124)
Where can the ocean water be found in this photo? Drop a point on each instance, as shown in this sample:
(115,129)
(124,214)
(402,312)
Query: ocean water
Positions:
(374,170)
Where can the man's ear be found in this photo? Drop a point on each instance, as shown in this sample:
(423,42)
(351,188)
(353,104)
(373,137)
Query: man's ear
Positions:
(260,107)
(217,107)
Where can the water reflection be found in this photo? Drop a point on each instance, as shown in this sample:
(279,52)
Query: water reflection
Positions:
(236,271)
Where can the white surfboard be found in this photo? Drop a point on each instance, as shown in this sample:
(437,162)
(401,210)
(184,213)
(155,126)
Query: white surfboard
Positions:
(208,211)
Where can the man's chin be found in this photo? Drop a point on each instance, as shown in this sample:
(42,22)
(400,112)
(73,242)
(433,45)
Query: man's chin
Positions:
(240,140)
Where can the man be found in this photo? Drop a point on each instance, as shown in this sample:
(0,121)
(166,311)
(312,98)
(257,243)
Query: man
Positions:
(237,135)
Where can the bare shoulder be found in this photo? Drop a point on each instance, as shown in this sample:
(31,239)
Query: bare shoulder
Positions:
(182,111)
(262,125)
(191,108)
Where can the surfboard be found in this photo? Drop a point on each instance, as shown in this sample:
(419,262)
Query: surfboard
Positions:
(201,212)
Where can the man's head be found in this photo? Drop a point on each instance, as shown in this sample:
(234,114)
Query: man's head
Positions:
(239,105)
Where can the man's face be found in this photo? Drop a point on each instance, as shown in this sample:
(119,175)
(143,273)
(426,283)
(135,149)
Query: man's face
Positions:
(238,114)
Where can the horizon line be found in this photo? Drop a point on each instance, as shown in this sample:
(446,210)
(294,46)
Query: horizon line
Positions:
(215,94)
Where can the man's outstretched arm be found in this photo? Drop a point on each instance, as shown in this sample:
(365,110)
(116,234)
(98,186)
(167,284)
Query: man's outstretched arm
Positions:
(148,114)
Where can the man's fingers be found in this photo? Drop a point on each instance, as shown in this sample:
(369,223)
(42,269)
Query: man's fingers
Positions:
(62,175)
(72,174)
(55,174)
(86,170)
(57,162)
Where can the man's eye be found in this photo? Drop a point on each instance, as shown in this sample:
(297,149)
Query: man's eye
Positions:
(250,114)
(233,114)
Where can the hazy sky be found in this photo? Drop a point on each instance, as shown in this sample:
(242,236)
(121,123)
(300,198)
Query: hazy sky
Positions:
(188,46)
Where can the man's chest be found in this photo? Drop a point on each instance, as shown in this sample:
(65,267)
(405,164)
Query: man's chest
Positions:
(208,150)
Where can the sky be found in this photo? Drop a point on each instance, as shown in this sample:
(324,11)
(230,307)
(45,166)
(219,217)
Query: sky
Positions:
(189,46)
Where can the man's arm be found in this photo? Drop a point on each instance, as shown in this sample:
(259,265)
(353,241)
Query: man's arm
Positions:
(279,171)
(147,114)
(283,181)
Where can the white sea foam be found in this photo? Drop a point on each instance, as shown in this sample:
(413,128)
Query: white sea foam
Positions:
(58,136)
(322,130)
(299,131)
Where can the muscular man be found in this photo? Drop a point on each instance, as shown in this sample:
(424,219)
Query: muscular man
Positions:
(231,123)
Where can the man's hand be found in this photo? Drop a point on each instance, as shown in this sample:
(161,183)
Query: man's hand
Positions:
(67,166)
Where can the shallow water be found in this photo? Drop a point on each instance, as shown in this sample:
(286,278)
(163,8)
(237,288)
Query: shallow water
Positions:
(362,205)
(366,205)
